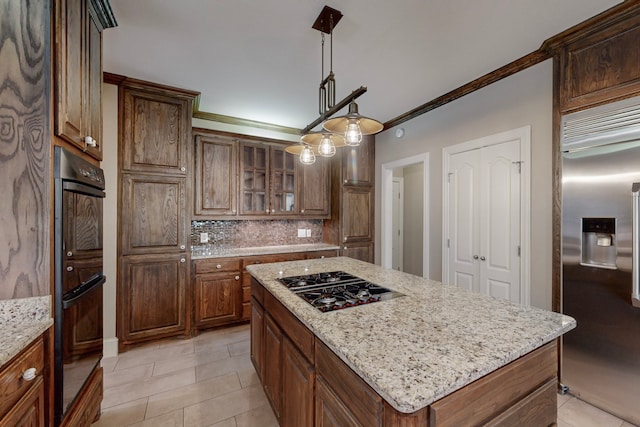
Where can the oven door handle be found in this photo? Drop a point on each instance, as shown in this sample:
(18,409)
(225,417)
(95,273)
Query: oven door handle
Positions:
(71,297)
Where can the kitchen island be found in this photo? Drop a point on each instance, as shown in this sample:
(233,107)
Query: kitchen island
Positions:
(437,355)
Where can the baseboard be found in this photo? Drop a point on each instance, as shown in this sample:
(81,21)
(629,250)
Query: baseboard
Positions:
(110,347)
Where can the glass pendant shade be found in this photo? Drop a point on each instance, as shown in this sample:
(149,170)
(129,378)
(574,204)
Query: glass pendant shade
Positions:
(353,134)
(307,157)
(326,148)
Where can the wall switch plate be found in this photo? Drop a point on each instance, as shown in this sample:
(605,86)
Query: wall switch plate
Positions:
(204,237)
(308,232)
(302,232)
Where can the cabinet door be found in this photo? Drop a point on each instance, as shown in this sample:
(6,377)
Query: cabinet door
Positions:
(360,250)
(298,383)
(330,410)
(71,103)
(314,197)
(254,184)
(272,373)
(218,299)
(215,179)
(357,214)
(153,214)
(358,163)
(153,297)
(257,338)
(283,182)
(156,131)
(94,88)
(29,410)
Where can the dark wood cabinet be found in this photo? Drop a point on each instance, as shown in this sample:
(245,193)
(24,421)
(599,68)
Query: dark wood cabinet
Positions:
(600,63)
(154,166)
(283,182)
(272,374)
(351,224)
(153,297)
(298,384)
(254,179)
(257,338)
(314,196)
(215,175)
(153,217)
(330,410)
(155,128)
(78,77)
(22,402)
(217,292)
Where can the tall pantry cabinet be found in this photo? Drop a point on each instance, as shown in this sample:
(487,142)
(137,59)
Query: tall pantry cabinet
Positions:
(154,219)
(352,201)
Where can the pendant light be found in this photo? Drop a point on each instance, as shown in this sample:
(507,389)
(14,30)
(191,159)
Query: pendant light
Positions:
(305,151)
(353,126)
(325,143)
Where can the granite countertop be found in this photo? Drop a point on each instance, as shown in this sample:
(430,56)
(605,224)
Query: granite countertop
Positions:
(261,250)
(22,320)
(417,348)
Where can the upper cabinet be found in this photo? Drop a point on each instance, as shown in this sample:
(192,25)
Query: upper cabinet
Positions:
(156,136)
(78,72)
(238,177)
(216,188)
(600,62)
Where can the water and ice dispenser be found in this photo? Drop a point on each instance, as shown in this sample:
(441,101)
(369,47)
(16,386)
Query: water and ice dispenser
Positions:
(599,242)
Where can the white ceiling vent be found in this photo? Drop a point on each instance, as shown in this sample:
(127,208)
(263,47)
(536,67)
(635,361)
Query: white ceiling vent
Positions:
(615,122)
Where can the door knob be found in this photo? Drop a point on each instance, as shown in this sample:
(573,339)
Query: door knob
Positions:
(475,257)
(482,258)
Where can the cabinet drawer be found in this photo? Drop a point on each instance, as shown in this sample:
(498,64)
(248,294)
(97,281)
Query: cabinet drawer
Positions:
(322,254)
(12,385)
(216,265)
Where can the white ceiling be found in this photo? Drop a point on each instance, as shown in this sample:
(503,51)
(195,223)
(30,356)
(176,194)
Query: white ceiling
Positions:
(261,60)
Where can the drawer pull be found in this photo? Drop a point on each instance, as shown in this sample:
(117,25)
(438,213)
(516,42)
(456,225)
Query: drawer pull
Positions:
(183,260)
(218,266)
(69,254)
(29,374)
(237,277)
(69,268)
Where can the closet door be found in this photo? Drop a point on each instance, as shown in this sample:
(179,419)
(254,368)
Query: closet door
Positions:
(484,220)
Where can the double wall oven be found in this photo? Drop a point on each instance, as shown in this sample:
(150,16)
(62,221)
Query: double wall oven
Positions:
(79,194)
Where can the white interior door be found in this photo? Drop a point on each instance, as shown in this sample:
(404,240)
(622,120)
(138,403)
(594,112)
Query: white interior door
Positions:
(500,221)
(483,219)
(398,227)
(464,216)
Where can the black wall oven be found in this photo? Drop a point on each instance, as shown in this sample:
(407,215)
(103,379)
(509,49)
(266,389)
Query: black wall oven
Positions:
(79,194)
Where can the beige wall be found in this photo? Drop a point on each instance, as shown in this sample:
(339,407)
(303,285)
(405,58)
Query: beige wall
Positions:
(519,100)
(412,221)
(110,166)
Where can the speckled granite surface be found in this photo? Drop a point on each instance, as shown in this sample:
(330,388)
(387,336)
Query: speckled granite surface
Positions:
(416,349)
(261,250)
(21,321)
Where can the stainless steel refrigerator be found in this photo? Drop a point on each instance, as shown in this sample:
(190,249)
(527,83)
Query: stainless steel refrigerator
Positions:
(600,253)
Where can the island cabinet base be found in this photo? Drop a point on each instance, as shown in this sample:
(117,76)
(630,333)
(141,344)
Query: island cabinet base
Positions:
(307,384)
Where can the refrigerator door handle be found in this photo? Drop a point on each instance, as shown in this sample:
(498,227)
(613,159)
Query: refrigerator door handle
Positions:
(635,257)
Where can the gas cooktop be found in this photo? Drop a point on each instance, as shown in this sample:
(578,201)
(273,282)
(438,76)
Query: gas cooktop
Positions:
(336,290)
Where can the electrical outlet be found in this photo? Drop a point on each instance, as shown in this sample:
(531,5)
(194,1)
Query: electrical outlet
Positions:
(302,232)
(308,232)
(204,237)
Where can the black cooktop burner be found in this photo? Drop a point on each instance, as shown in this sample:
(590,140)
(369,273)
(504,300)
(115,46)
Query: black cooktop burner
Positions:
(336,290)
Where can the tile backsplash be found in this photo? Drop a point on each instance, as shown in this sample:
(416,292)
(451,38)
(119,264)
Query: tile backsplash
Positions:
(246,234)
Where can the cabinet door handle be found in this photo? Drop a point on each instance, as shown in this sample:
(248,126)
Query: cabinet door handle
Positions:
(218,266)
(183,260)
(182,247)
(29,374)
(69,253)
(302,211)
(345,248)
(237,277)
(344,239)
(90,142)
(69,268)
(233,211)
(273,211)
(183,169)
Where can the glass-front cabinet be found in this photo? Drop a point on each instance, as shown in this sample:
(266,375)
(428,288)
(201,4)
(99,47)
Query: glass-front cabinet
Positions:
(267,180)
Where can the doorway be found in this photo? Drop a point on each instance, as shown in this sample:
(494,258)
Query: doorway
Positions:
(404,224)
(486,215)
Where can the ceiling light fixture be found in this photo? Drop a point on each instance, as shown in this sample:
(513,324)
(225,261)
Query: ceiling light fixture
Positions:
(307,156)
(340,131)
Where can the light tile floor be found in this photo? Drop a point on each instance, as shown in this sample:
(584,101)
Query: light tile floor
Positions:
(209,381)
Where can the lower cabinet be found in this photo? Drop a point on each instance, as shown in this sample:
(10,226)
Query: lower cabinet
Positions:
(152,298)
(22,400)
(307,384)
